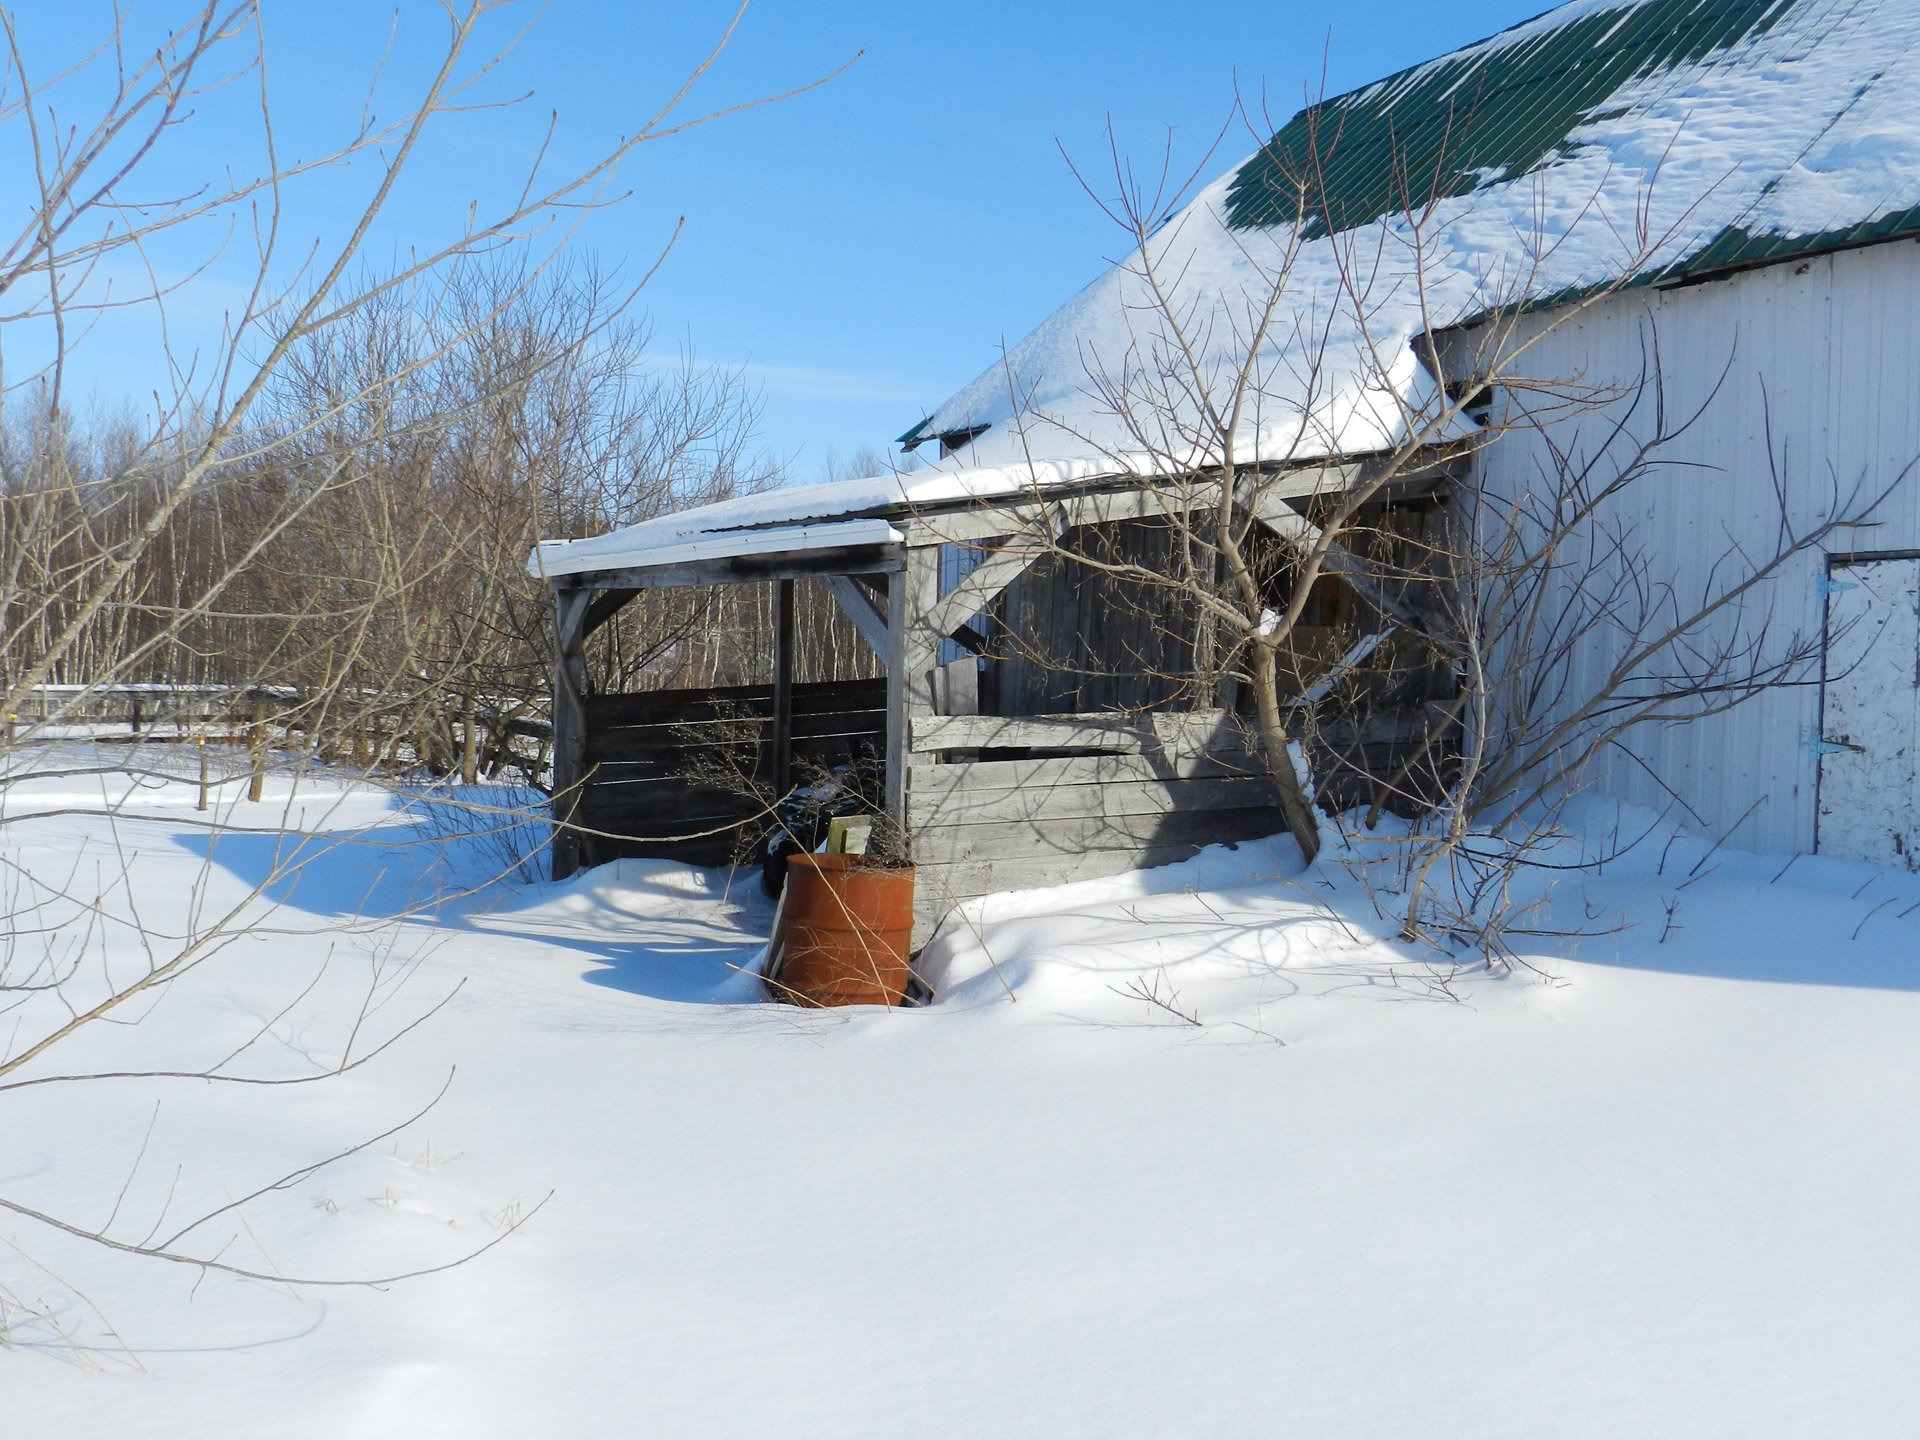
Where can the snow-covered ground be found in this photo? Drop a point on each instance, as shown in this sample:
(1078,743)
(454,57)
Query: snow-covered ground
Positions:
(1666,1184)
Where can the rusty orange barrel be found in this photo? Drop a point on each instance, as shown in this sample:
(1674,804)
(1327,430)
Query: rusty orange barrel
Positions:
(847,924)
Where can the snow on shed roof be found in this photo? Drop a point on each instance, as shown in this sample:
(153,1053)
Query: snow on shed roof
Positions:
(1602,141)
(811,516)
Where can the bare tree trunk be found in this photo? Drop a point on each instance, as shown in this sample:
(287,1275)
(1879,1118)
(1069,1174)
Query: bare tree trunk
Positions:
(1294,805)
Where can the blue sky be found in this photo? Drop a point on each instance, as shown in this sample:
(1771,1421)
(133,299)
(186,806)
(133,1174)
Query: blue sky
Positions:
(862,249)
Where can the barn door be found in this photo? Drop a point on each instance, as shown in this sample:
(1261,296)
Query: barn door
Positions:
(1870,731)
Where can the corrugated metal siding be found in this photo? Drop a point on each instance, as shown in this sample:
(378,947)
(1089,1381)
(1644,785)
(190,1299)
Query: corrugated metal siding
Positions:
(1823,357)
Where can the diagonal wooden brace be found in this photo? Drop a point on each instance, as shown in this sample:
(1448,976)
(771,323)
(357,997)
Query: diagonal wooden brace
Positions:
(863,609)
(977,591)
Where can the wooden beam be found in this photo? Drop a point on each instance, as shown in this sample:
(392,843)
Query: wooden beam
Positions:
(868,617)
(605,606)
(1150,498)
(969,639)
(1018,514)
(1268,495)
(928,784)
(912,652)
(1165,733)
(570,614)
(739,569)
(977,591)
(1034,805)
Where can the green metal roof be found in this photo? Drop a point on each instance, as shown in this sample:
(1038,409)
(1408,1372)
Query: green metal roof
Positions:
(1503,108)
(1489,113)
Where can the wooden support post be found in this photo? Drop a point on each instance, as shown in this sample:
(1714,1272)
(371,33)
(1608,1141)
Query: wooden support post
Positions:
(782,687)
(899,723)
(913,652)
(569,725)
(257,753)
(470,742)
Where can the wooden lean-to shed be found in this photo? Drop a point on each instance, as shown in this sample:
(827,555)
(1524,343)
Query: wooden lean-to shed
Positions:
(1030,725)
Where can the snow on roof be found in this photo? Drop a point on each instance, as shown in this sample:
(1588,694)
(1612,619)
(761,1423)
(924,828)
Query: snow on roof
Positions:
(1723,131)
(617,551)
(1600,142)
(801,518)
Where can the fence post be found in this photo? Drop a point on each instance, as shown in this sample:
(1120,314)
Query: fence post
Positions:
(570,851)
(257,751)
(782,758)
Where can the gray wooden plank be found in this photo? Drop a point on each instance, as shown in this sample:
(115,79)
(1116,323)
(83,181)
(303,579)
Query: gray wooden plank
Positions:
(958,844)
(738,569)
(983,775)
(1121,501)
(947,884)
(1161,732)
(1036,804)
(938,888)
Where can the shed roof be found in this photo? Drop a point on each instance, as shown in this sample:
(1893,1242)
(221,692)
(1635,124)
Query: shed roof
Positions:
(1606,140)
(814,516)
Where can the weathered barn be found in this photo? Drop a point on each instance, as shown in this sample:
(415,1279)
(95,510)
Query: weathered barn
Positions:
(1695,208)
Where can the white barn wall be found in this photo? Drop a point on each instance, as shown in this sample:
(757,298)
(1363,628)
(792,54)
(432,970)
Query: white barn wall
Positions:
(1824,353)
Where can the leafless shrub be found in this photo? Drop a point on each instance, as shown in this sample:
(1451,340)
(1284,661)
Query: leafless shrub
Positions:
(328,510)
(1529,630)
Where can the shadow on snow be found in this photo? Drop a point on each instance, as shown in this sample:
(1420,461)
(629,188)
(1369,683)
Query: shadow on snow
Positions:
(647,927)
